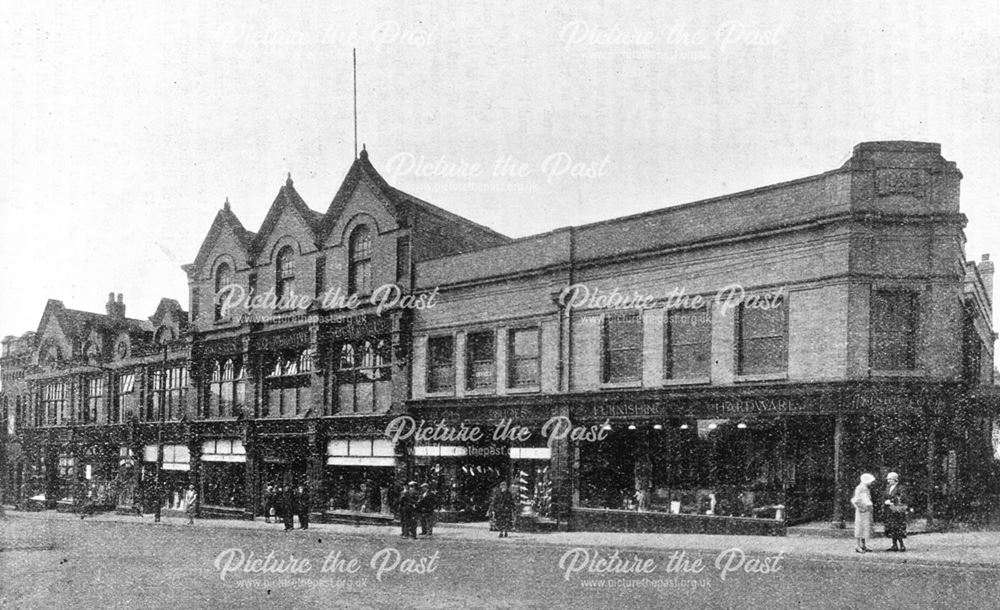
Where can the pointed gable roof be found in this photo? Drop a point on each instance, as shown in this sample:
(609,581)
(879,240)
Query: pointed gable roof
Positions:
(225,218)
(287,197)
(398,201)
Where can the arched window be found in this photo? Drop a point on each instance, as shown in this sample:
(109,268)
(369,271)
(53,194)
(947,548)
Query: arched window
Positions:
(359,279)
(223,278)
(285,272)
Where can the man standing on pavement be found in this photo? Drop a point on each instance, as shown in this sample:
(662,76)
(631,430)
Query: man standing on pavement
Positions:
(288,508)
(302,506)
(407,510)
(426,506)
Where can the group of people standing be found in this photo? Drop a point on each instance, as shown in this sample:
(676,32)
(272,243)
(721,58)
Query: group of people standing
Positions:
(894,512)
(286,503)
(417,505)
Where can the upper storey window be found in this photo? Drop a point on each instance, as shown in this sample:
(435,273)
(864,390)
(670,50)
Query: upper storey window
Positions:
(894,330)
(359,278)
(284,280)
(762,334)
(223,278)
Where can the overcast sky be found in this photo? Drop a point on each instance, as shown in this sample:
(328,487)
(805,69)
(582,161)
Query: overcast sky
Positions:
(123,132)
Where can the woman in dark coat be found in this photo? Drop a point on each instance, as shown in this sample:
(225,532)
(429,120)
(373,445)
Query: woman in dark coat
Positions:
(502,509)
(895,512)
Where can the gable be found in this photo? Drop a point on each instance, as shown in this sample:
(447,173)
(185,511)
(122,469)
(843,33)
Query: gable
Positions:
(235,241)
(51,333)
(363,202)
(226,244)
(288,227)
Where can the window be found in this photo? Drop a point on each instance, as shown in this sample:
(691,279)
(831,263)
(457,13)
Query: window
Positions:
(195,302)
(54,403)
(223,278)
(441,364)
(363,375)
(522,358)
(763,337)
(403,259)
(124,397)
(287,382)
(320,275)
(687,343)
(480,360)
(622,348)
(284,281)
(894,330)
(93,399)
(169,393)
(227,388)
(359,277)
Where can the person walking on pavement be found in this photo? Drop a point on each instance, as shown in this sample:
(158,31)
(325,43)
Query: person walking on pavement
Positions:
(895,512)
(426,506)
(862,502)
(302,506)
(190,499)
(502,509)
(268,503)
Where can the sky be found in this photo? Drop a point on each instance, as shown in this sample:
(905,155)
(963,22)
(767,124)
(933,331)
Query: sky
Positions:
(123,130)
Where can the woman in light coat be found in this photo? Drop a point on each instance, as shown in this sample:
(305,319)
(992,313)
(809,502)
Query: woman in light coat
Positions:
(862,503)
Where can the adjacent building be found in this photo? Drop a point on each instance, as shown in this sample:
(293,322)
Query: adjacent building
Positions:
(731,364)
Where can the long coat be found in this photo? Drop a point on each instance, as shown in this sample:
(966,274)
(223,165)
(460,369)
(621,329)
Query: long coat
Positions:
(862,503)
(895,520)
(502,508)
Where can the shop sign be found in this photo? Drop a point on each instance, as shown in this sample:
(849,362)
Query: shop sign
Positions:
(275,341)
(762,405)
(356,326)
(221,348)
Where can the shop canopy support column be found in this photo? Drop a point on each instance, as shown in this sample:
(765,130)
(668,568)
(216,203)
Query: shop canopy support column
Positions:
(838,473)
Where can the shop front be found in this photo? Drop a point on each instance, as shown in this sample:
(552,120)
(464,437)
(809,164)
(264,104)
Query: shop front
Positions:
(174,476)
(359,480)
(223,475)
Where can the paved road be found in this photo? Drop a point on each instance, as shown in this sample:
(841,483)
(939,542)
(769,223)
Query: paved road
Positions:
(60,562)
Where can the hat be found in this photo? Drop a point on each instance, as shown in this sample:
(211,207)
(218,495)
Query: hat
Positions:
(892,475)
(867,478)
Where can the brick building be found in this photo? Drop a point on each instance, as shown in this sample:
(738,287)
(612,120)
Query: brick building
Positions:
(731,364)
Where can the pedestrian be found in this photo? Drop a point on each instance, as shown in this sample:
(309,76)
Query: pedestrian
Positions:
(288,508)
(502,509)
(862,502)
(407,510)
(426,506)
(302,506)
(190,499)
(895,512)
(268,503)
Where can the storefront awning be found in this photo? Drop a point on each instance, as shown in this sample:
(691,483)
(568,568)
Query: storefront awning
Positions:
(376,452)
(223,450)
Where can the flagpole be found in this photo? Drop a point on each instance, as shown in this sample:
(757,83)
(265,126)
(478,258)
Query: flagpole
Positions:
(354,55)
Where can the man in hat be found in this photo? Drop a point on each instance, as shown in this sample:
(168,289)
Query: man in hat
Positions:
(407,510)
(895,512)
(426,506)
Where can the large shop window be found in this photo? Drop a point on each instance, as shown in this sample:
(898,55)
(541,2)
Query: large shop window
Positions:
(359,276)
(284,272)
(359,475)
(622,348)
(363,377)
(223,279)
(480,364)
(169,395)
(94,399)
(763,337)
(55,403)
(523,361)
(894,330)
(441,364)
(687,343)
(227,388)
(699,467)
(223,473)
(532,480)
(174,477)
(287,384)
(124,398)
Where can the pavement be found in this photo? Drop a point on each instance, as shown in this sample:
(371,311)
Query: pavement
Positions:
(970,549)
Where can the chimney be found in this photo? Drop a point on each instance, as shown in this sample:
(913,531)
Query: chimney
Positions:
(120,306)
(115,309)
(110,305)
(985,267)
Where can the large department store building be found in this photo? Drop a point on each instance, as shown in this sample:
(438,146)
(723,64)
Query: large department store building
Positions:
(731,364)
